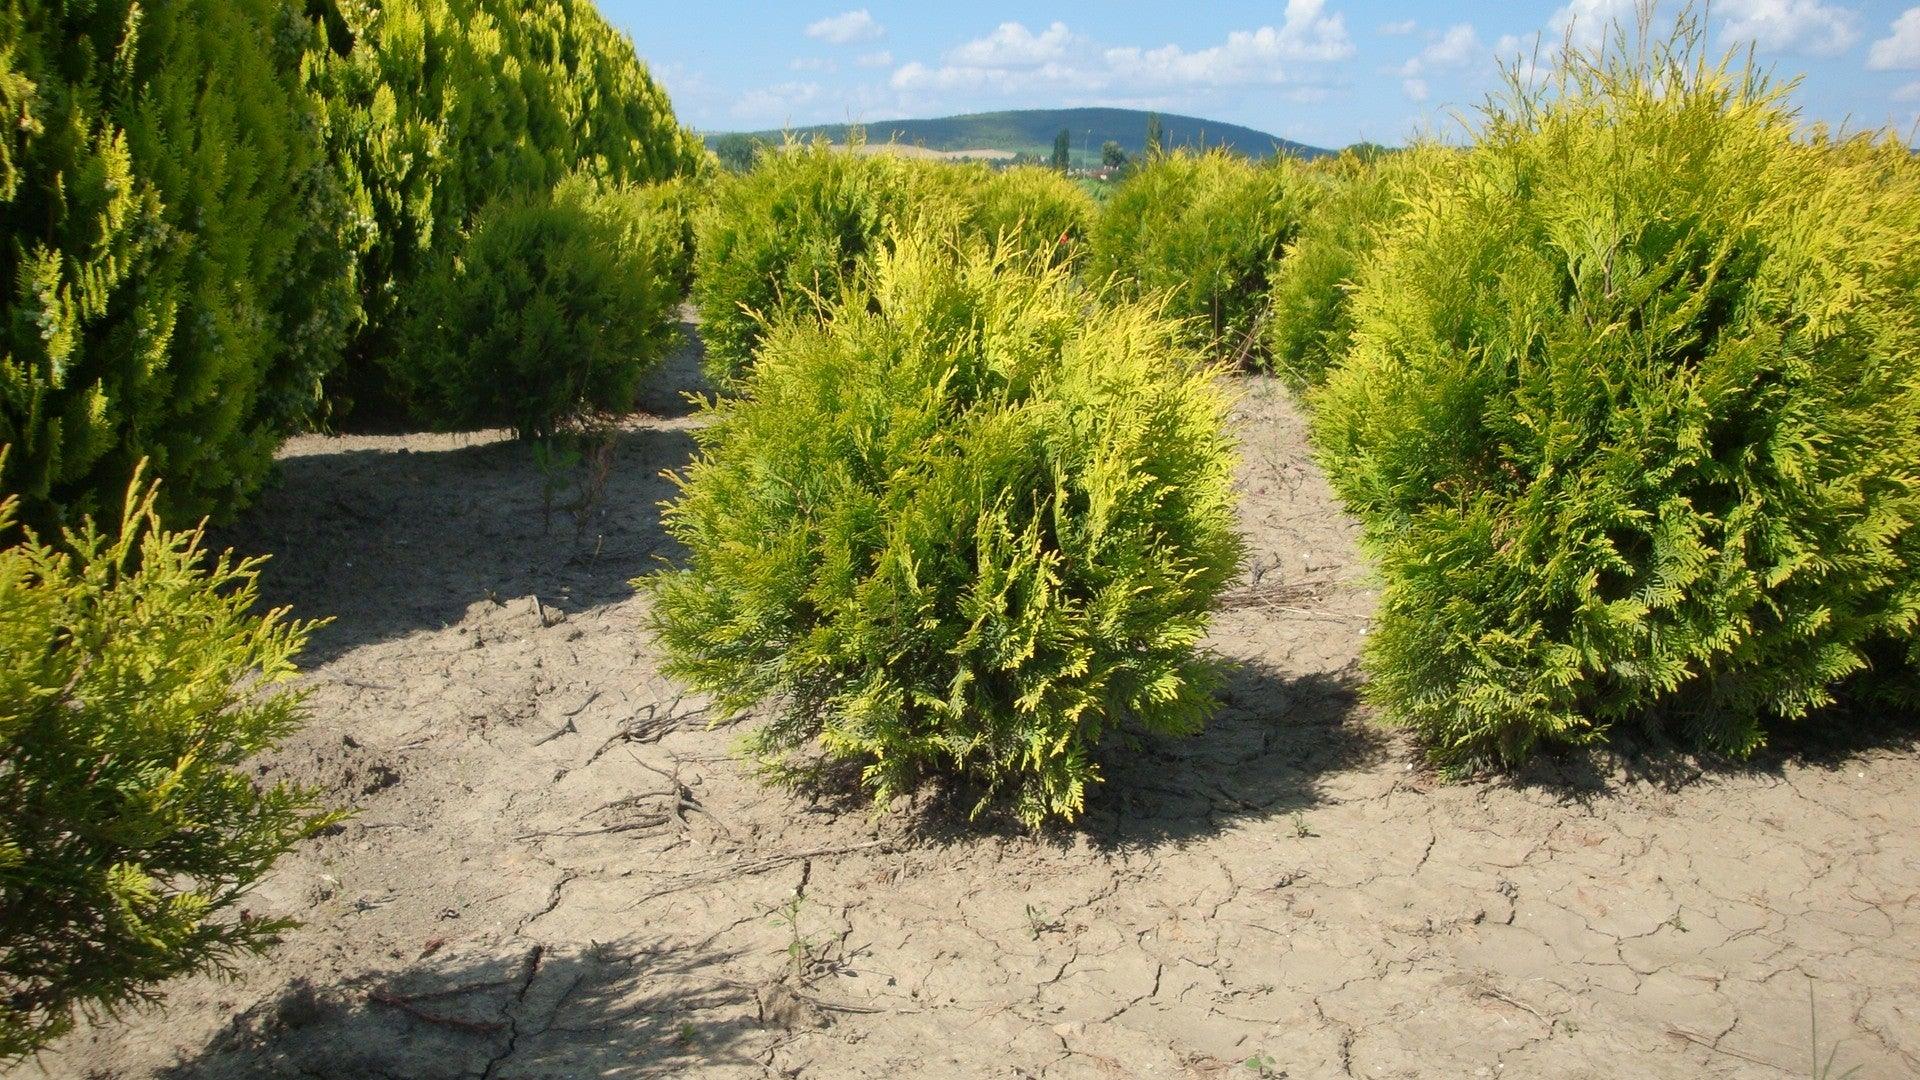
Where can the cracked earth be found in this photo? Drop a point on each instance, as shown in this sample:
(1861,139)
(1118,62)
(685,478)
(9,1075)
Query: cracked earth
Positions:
(560,868)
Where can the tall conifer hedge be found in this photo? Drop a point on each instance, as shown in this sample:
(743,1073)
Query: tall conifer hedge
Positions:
(438,107)
(175,255)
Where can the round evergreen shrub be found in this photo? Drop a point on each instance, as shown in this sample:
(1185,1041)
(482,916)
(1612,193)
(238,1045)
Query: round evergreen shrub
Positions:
(555,307)
(1309,318)
(969,525)
(787,235)
(176,250)
(1204,232)
(136,683)
(1632,418)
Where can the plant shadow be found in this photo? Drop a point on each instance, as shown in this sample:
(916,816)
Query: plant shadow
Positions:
(1829,740)
(611,1010)
(1266,752)
(389,539)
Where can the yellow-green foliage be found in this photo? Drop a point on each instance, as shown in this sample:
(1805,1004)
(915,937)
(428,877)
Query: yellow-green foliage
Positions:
(440,107)
(1309,317)
(556,306)
(175,264)
(970,524)
(786,235)
(136,682)
(1633,417)
(1205,232)
(1032,209)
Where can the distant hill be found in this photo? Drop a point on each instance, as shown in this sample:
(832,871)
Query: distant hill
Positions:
(1032,131)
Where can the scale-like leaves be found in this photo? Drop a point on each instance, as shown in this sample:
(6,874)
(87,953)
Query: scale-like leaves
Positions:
(969,524)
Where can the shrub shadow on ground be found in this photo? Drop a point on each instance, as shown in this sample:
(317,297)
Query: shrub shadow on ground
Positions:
(390,536)
(614,1010)
(1265,754)
(1829,740)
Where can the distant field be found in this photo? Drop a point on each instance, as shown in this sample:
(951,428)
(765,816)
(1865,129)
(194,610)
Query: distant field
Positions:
(1032,131)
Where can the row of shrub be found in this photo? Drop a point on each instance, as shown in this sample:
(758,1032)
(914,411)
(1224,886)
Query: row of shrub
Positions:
(208,205)
(1624,393)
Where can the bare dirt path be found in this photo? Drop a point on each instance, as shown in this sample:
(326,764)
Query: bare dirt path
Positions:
(561,871)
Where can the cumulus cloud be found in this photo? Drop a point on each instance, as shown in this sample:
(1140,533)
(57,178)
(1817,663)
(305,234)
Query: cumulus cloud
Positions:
(880,58)
(1799,26)
(813,63)
(1416,89)
(1012,45)
(1900,49)
(1457,48)
(1909,92)
(846,28)
(1014,57)
(1589,24)
(1399,29)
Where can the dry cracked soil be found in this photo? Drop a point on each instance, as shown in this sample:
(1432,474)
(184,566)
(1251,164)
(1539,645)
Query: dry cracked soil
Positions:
(560,867)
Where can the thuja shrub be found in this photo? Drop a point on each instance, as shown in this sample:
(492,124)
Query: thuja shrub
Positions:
(1031,209)
(786,236)
(969,525)
(176,250)
(1309,319)
(555,307)
(1204,232)
(439,108)
(136,683)
(1632,419)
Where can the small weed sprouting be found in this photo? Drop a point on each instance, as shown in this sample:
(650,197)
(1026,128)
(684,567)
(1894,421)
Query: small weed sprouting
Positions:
(1300,827)
(800,946)
(1264,1066)
(1039,923)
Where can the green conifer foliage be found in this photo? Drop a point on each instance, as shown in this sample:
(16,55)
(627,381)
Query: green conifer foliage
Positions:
(786,236)
(1309,319)
(554,308)
(136,682)
(175,271)
(439,107)
(969,524)
(1205,231)
(1633,419)
(1036,211)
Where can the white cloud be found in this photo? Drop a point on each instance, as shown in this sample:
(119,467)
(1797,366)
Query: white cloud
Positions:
(846,28)
(1794,26)
(1909,92)
(882,58)
(1416,89)
(1900,49)
(1015,58)
(1012,45)
(1589,24)
(774,105)
(1457,48)
(1399,29)
(813,63)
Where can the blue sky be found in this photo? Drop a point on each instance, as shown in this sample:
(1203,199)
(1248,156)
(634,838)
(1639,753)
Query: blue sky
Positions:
(1326,72)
